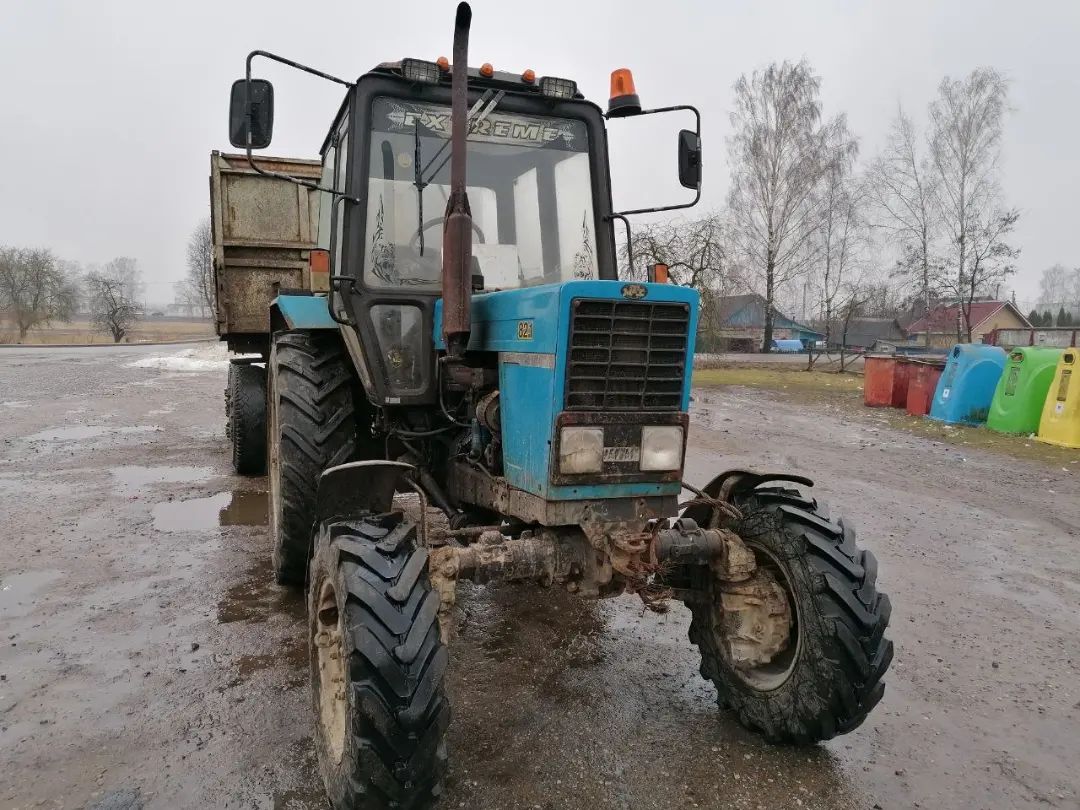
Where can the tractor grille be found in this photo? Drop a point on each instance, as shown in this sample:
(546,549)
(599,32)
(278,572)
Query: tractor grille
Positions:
(626,355)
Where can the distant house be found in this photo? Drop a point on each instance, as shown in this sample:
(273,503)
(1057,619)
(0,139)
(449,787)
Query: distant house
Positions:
(738,324)
(938,328)
(866,334)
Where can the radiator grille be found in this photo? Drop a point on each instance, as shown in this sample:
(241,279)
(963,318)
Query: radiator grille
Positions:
(627,355)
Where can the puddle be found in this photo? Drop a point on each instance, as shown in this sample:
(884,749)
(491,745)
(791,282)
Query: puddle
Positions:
(244,509)
(79,432)
(191,515)
(239,508)
(132,478)
(18,592)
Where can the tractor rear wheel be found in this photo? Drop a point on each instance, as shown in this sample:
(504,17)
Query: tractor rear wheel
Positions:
(311,427)
(377,666)
(245,413)
(820,673)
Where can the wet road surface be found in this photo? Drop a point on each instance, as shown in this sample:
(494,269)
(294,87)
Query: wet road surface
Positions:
(148,661)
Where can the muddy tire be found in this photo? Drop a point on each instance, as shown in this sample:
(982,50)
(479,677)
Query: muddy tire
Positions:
(377,666)
(245,412)
(311,427)
(829,676)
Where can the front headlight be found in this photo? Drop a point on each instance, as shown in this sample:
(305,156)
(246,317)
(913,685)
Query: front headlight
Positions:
(661,448)
(581,450)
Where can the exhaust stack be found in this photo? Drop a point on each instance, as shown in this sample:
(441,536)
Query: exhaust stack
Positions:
(457,227)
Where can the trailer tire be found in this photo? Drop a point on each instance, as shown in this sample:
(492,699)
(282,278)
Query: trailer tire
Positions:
(830,676)
(377,667)
(312,426)
(245,412)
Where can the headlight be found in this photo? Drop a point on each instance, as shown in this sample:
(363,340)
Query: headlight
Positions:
(661,448)
(417,70)
(558,88)
(581,450)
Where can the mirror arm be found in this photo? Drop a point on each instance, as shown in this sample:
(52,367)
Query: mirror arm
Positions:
(629,238)
(697,196)
(247,102)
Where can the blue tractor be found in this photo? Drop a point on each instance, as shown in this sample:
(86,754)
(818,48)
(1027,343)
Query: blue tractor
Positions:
(477,352)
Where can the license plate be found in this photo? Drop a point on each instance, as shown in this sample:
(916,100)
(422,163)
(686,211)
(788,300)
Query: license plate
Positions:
(618,454)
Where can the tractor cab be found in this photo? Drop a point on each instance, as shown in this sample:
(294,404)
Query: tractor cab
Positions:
(537,186)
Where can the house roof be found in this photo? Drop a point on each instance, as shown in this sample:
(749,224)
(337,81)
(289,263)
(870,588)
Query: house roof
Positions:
(943,317)
(731,305)
(867,331)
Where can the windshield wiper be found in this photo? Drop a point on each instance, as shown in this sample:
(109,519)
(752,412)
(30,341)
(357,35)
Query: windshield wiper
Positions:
(418,181)
(480,110)
(476,115)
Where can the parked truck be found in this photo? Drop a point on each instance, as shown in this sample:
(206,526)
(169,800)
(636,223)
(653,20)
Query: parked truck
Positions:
(460,334)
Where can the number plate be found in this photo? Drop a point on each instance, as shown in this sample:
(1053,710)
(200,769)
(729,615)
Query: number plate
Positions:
(618,454)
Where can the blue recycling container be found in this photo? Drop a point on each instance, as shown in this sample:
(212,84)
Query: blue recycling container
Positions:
(967,384)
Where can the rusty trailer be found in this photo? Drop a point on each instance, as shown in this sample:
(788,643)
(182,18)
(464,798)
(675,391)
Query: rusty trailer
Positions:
(263,230)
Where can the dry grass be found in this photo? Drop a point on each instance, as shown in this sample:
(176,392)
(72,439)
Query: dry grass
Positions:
(813,385)
(847,390)
(81,332)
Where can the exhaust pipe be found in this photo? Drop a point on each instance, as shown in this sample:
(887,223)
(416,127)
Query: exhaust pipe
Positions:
(457,226)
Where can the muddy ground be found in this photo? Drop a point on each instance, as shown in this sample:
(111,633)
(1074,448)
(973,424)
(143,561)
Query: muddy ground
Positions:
(148,661)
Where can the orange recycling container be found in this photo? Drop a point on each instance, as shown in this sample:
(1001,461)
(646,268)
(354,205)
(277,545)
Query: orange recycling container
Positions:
(885,381)
(924,379)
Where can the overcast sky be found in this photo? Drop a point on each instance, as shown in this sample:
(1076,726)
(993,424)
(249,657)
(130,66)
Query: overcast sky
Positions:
(109,109)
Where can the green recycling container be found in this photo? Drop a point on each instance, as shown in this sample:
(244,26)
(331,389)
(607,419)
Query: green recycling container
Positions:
(1018,401)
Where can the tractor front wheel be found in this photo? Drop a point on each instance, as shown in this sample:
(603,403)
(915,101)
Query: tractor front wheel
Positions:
(312,426)
(799,651)
(377,666)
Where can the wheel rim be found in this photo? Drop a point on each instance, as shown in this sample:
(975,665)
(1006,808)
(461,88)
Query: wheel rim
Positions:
(771,676)
(330,661)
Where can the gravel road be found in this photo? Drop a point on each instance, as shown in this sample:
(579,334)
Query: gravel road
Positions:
(148,661)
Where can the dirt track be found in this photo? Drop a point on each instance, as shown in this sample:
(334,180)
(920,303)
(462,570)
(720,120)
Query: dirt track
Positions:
(148,661)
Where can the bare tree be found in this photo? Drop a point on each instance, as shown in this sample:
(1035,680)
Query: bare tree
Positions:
(904,187)
(778,156)
(111,297)
(1055,285)
(695,251)
(697,254)
(34,288)
(965,145)
(842,234)
(990,262)
(197,288)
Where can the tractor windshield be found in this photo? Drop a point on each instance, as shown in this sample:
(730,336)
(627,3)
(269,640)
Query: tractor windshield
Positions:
(529,187)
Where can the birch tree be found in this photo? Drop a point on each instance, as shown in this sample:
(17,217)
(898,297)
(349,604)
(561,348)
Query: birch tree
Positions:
(841,233)
(778,156)
(990,262)
(903,185)
(965,145)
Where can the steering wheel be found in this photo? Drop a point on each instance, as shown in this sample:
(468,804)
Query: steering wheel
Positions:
(414,241)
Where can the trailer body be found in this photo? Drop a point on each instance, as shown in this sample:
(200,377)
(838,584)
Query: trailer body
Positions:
(263,231)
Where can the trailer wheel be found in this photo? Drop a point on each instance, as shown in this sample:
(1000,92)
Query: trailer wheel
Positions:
(377,666)
(827,676)
(245,412)
(311,427)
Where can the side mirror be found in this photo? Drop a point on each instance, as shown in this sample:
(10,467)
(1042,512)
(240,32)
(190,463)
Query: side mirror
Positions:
(254,114)
(689,159)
